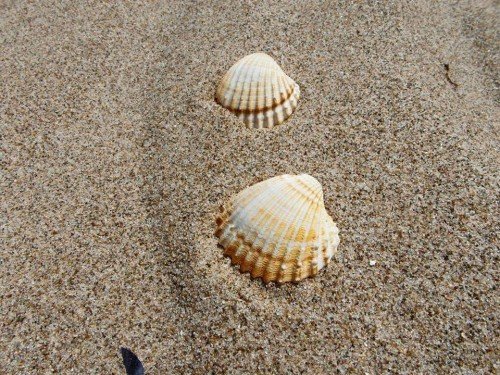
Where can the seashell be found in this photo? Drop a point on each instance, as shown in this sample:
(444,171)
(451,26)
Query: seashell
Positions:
(279,229)
(258,91)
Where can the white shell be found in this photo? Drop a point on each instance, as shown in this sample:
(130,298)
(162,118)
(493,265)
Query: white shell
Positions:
(279,229)
(258,91)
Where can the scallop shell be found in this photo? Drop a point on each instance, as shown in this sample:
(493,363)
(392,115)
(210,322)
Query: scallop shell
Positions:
(279,229)
(258,91)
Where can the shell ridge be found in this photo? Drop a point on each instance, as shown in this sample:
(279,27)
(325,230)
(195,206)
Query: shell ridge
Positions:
(253,225)
(314,206)
(270,257)
(307,186)
(274,84)
(253,193)
(315,266)
(330,241)
(285,231)
(254,213)
(279,221)
(240,84)
(289,249)
(234,77)
(246,84)
(297,272)
(251,89)
(276,196)
(244,201)
(267,234)
(283,88)
(265,109)
(234,215)
(324,245)
(226,97)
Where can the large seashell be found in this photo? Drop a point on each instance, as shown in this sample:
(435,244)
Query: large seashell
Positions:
(258,91)
(279,229)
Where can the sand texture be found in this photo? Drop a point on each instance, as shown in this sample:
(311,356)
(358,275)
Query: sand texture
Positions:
(115,159)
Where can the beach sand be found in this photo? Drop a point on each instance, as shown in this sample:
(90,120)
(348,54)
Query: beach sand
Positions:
(115,159)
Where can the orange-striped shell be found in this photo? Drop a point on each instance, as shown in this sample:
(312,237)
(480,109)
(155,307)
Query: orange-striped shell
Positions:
(258,91)
(279,229)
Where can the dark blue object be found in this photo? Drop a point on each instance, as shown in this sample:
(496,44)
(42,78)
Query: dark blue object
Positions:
(132,364)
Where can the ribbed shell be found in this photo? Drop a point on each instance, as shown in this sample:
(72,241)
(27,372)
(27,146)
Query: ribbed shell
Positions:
(258,91)
(279,229)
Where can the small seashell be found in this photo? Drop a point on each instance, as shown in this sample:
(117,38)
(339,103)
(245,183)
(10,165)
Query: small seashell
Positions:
(258,91)
(279,229)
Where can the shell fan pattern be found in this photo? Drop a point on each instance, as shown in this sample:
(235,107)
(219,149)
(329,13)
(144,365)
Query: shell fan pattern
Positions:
(279,229)
(258,91)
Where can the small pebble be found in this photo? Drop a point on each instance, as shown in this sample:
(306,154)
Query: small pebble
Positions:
(373,262)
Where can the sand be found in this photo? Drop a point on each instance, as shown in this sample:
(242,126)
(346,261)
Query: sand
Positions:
(115,158)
